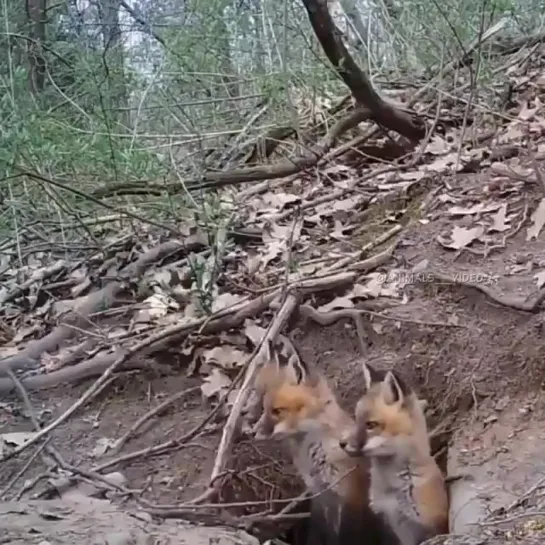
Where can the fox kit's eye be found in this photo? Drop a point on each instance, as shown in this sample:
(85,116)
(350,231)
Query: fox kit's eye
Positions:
(276,411)
(371,425)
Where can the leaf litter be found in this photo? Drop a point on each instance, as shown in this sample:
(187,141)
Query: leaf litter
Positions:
(191,287)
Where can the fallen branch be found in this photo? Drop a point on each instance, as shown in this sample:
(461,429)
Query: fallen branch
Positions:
(353,185)
(372,262)
(242,311)
(329,318)
(383,113)
(78,318)
(75,373)
(221,321)
(150,414)
(206,326)
(253,367)
(281,169)
(94,389)
(38,276)
(23,470)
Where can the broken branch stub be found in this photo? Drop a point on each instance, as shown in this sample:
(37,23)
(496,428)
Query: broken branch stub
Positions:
(382,112)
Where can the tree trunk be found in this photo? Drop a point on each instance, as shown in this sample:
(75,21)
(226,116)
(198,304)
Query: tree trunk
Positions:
(36,62)
(114,58)
(382,112)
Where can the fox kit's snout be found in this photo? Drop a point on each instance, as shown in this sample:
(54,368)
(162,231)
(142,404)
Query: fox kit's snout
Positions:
(387,413)
(290,408)
(353,441)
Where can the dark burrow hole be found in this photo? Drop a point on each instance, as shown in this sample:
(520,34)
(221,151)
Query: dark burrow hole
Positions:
(295,533)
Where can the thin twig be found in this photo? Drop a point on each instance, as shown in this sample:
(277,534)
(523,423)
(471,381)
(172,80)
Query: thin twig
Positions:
(150,414)
(23,470)
(251,369)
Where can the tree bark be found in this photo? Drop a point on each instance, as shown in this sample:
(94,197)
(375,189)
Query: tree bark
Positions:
(114,57)
(382,112)
(36,74)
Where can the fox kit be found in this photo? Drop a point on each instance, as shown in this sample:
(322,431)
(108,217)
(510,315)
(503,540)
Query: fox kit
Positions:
(300,408)
(407,486)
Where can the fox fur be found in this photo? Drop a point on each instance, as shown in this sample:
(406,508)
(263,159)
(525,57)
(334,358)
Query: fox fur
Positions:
(407,486)
(301,409)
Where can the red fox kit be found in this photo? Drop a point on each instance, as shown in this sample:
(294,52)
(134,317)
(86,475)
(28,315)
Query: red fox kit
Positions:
(407,486)
(304,412)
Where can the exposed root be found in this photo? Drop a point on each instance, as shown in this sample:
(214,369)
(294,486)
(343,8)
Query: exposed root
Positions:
(78,317)
(531,304)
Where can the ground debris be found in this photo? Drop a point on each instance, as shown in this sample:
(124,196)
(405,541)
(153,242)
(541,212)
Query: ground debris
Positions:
(341,247)
(97,522)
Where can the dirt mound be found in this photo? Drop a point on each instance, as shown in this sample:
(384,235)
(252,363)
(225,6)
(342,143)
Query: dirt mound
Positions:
(464,349)
(93,522)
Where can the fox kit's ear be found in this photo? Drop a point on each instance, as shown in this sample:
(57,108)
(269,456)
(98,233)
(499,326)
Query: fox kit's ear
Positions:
(391,389)
(367,377)
(278,368)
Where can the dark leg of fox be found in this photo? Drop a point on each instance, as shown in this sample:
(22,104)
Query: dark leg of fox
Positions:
(320,531)
(365,527)
(298,533)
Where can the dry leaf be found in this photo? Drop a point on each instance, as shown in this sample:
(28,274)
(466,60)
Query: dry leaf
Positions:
(158,305)
(337,232)
(281,233)
(276,201)
(102,446)
(254,332)
(225,356)
(526,113)
(421,266)
(540,279)
(540,82)
(214,383)
(538,217)
(514,133)
(461,237)
(437,146)
(441,164)
(8,351)
(26,332)
(500,224)
(392,289)
(17,438)
(374,286)
(253,263)
(226,300)
(271,252)
(477,209)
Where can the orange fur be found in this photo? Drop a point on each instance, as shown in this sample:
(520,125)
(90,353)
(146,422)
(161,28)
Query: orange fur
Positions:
(307,414)
(390,422)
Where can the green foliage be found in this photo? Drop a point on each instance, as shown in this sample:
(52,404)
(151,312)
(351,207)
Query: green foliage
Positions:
(173,93)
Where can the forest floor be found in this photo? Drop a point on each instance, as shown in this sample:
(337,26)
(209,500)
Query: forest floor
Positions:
(444,260)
